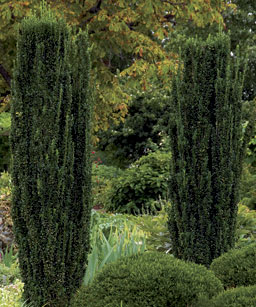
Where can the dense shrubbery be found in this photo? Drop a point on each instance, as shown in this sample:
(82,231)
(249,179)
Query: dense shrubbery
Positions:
(10,295)
(112,238)
(238,297)
(158,236)
(5,184)
(9,274)
(236,267)
(5,123)
(102,176)
(140,186)
(246,226)
(151,279)
(248,187)
(154,227)
(50,222)
(11,286)
(143,130)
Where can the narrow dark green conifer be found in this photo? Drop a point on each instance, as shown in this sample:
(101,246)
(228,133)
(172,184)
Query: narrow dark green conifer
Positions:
(51,169)
(207,145)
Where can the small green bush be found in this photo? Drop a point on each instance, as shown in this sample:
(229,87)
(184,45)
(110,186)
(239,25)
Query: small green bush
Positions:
(246,226)
(5,184)
(143,130)
(158,235)
(236,267)
(138,190)
(238,297)
(5,124)
(9,274)
(150,279)
(101,180)
(10,295)
(248,186)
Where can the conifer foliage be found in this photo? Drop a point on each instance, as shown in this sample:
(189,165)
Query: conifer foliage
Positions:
(51,169)
(207,145)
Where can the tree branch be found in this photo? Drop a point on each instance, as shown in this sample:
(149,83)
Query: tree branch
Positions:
(93,10)
(5,75)
(170,18)
(174,3)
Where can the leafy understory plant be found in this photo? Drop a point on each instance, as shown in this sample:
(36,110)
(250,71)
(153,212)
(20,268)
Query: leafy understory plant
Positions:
(156,229)
(10,295)
(8,257)
(124,241)
(246,226)
(5,122)
(5,185)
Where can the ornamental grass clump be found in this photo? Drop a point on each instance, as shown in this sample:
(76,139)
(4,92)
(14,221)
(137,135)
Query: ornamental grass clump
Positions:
(51,165)
(110,241)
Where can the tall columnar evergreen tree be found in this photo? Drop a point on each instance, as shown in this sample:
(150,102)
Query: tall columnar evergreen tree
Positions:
(51,169)
(208,146)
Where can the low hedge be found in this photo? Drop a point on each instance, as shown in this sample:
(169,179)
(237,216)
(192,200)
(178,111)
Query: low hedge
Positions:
(236,297)
(150,279)
(236,267)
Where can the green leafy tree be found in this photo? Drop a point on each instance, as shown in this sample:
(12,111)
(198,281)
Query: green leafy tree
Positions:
(51,164)
(127,38)
(239,21)
(126,35)
(208,147)
(241,24)
(143,130)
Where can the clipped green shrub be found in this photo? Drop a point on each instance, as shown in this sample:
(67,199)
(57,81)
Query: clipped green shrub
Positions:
(238,297)
(236,267)
(51,157)
(138,190)
(208,145)
(150,279)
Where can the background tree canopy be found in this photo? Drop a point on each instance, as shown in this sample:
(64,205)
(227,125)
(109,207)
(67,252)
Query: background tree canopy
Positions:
(127,37)
(135,49)
(143,130)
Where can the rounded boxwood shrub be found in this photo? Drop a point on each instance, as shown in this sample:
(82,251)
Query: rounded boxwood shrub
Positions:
(149,279)
(236,267)
(237,297)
